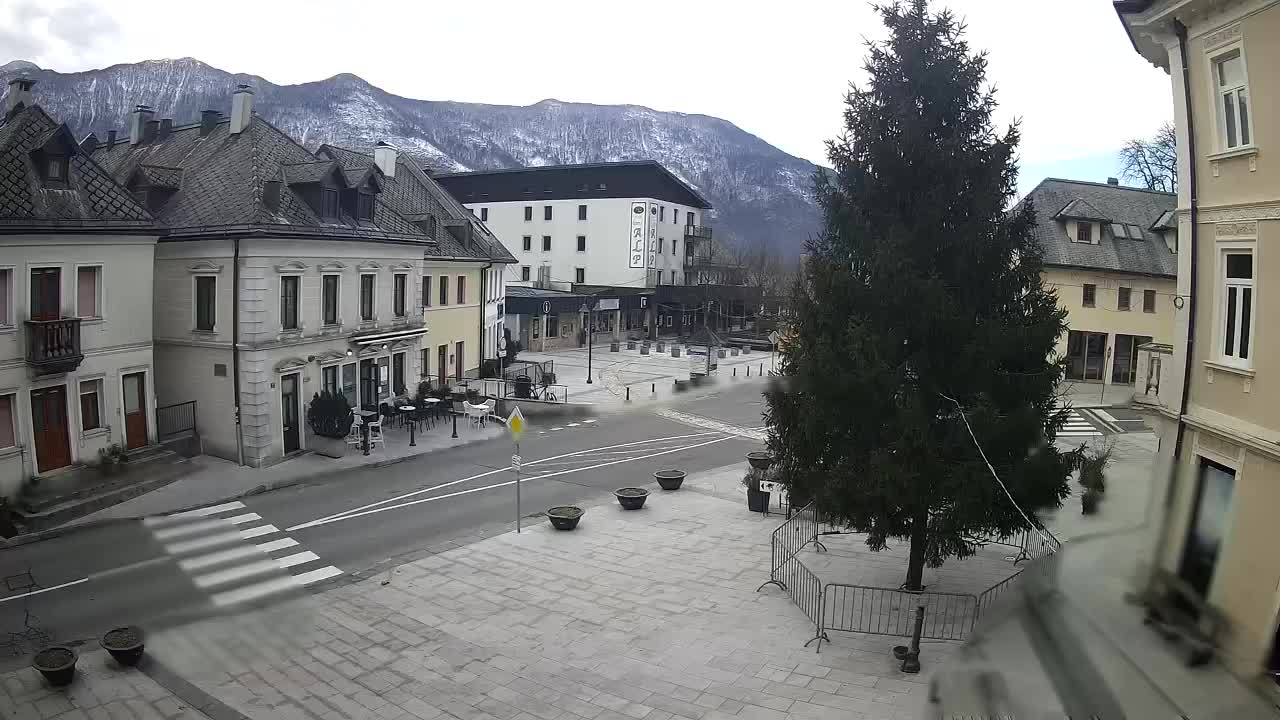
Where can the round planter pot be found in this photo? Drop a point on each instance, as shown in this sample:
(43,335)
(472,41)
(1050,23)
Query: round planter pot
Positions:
(125,645)
(662,347)
(675,352)
(631,344)
(720,353)
(760,460)
(631,498)
(614,347)
(757,500)
(565,517)
(669,479)
(734,352)
(57,663)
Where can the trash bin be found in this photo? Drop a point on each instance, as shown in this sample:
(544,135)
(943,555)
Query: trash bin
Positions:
(523,386)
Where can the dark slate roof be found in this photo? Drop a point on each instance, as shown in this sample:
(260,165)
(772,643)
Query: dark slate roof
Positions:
(642,178)
(1113,204)
(92,199)
(1080,209)
(164,177)
(415,196)
(222,181)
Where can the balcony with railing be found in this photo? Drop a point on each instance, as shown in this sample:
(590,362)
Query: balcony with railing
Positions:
(53,346)
(697,232)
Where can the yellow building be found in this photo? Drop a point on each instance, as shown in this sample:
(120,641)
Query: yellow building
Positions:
(1110,252)
(1218,471)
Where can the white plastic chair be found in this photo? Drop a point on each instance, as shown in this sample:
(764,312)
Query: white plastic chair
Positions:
(375,435)
(490,405)
(353,435)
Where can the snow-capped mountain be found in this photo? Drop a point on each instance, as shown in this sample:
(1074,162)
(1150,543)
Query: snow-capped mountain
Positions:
(760,193)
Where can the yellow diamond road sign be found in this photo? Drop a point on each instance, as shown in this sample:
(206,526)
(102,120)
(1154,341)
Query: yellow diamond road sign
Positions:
(515,422)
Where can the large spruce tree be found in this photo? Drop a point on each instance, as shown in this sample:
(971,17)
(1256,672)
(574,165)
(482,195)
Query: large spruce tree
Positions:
(923,288)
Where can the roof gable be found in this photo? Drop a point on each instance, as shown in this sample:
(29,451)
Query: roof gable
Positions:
(1080,209)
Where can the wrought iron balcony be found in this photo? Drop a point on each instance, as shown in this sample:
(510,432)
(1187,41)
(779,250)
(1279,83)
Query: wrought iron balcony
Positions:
(697,232)
(53,346)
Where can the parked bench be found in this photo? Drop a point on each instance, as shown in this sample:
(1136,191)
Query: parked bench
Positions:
(1178,612)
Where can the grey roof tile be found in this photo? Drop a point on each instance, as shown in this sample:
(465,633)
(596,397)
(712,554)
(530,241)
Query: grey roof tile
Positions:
(1113,204)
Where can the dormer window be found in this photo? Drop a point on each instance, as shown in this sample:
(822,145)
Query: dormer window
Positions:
(329,202)
(55,170)
(1084,232)
(364,206)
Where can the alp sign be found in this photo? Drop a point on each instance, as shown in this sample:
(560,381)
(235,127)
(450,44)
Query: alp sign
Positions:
(639,233)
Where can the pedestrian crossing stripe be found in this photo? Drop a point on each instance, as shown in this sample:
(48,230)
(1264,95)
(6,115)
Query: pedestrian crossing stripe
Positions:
(235,555)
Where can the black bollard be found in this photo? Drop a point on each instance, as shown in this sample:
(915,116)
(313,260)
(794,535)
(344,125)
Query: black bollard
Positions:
(455,424)
(412,426)
(761,372)
(911,663)
(653,388)
(364,435)
(628,393)
(735,372)
(748,371)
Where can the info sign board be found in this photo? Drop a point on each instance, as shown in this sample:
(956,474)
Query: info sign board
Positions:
(653,235)
(639,238)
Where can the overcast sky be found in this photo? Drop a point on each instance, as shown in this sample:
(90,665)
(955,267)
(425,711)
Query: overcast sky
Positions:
(1066,68)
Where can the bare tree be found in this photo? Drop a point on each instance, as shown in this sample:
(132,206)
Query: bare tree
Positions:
(1154,162)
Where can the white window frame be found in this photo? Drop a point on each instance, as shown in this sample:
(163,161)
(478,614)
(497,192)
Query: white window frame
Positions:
(195,305)
(101,289)
(526,273)
(99,389)
(337,302)
(580,272)
(373,317)
(580,246)
(394,278)
(1220,331)
(280,303)
(1217,92)
(9,324)
(13,418)
(336,366)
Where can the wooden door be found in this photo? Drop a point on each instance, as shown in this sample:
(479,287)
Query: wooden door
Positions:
(49,425)
(135,410)
(46,293)
(289,412)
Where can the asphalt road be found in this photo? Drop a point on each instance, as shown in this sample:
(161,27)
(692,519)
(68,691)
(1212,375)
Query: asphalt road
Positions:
(159,570)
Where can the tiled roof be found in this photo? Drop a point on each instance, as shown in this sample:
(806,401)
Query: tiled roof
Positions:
(163,177)
(91,199)
(1080,209)
(415,197)
(222,182)
(1112,204)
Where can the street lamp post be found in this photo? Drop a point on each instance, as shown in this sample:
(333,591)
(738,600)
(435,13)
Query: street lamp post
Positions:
(588,312)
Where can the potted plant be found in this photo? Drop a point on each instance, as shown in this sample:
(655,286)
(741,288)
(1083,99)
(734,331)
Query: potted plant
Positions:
(111,459)
(760,460)
(631,498)
(473,396)
(565,517)
(125,644)
(1093,468)
(329,417)
(614,346)
(669,479)
(1089,501)
(57,663)
(757,499)
(631,344)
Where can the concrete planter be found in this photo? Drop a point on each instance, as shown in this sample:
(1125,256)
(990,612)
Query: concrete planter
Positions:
(644,349)
(746,349)
(669,479)
(631,498)
(614,347)
(631,344)
(662,346)
(721,353)
(675,352)
(565,517)
(733,352)
(57,663)
(327,446)
(125,645)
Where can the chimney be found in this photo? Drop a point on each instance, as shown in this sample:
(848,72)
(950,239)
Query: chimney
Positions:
(138,122)
(111,138)
(208,119)
(241,108)
(19,95)
(1113,181)
(384,156)
(89,144)
(166,124)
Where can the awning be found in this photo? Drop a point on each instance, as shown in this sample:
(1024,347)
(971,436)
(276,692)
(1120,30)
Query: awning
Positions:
(388,336)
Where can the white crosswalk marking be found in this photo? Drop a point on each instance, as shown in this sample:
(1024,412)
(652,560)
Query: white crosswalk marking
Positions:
(218,548)
(1078,427)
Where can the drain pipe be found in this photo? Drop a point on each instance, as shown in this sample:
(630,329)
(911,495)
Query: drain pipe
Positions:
(235,345)
(1192,188)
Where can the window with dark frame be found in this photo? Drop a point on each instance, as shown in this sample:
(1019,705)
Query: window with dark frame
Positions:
(397,373)
(329,203)
(425,369)
(289,302)
(462,289)
(399,293)
(582,243)
(661,245)
(206,302)
(484,214)
(90,405)
(56,169)
(524,273)
(582,212)
(1090,294)
(1149,301)
(546,243)
(426,291)
(546,212)
(1084,233)
(444,290)
(1123,298)
(364,206)
(329,298)
(688,218)
(580,275)
(329,379)
(1237,306)
(366,297)
(527,243)
(673,277)
(528,213)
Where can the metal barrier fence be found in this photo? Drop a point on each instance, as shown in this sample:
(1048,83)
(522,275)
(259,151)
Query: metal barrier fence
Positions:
(174,420)
(887,611)
(503,389)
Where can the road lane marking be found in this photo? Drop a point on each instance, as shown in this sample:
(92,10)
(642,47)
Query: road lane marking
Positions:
(305,556)
(274,545)
(258,531)
(451,483)
(323,573)
(255,591)
(317,523)
(198,512)
(218,558)
(45,590)
(235,574)
(204,543)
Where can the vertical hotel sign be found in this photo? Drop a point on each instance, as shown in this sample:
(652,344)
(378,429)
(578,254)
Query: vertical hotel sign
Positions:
(639,233)
(653,235)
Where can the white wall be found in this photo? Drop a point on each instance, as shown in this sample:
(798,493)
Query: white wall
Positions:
(116,343)
(607,229)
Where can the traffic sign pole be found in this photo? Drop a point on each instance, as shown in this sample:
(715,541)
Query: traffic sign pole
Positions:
(515,426)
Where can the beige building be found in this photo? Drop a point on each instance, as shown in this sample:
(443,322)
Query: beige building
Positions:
(282,273)
(1218,473)
(1110,252)
(76,250)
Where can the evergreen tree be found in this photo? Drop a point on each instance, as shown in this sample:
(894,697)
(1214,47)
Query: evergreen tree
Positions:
(923,288)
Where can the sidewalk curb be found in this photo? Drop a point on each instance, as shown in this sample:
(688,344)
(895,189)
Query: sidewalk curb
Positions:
(327,475)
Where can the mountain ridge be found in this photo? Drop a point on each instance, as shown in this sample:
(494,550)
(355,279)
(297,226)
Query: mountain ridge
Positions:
(762,195)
